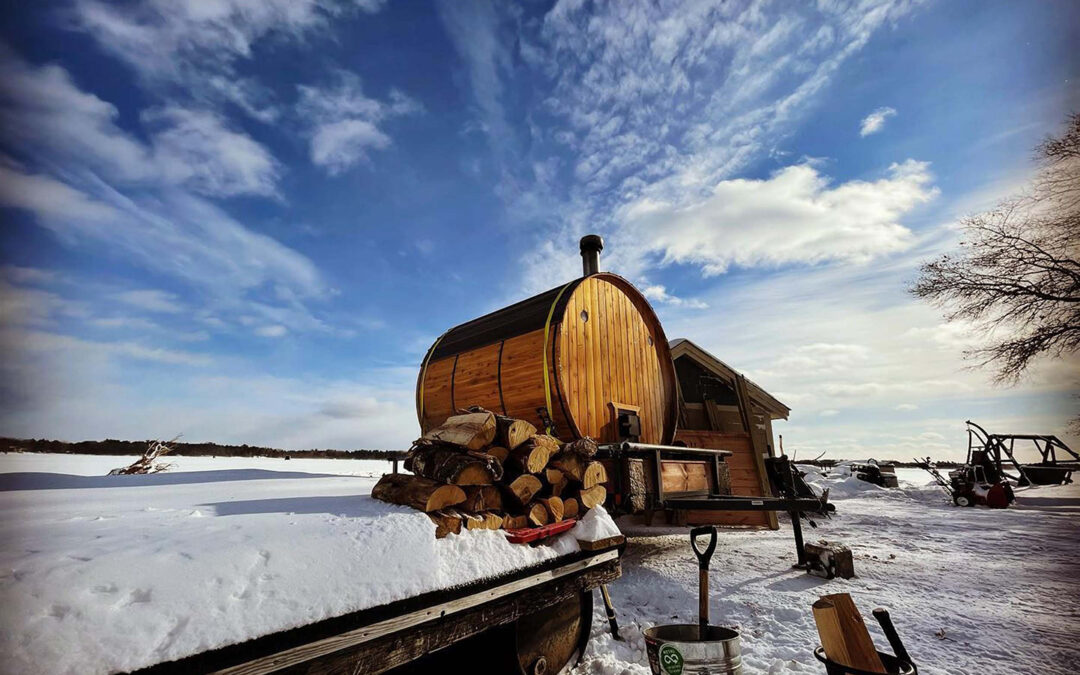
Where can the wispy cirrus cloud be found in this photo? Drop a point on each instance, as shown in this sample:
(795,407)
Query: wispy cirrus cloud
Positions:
(875,121)
(343,123)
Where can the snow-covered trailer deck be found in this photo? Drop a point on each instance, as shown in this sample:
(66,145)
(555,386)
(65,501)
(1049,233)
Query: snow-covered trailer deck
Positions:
(555,595)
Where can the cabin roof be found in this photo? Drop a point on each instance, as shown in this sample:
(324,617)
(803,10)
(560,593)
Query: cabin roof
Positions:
(768,402)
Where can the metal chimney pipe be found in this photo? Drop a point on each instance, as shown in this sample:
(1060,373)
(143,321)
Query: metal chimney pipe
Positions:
(591,245)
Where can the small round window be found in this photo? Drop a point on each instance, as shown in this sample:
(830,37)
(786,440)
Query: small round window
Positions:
(584,315)
(650,340)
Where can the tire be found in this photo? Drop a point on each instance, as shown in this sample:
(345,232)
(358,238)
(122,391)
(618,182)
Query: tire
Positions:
(963,500)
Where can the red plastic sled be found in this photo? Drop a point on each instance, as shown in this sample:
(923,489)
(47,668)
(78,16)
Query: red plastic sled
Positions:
(528,534)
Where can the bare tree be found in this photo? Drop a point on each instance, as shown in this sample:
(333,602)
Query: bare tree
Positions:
(1017,272)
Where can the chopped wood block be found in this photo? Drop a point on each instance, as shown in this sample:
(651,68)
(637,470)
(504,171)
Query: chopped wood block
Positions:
(585,447)
(601,544)
(471,431)
(446,522)
(570,508)
(537,514)
(481,498)
(530,456)
(843,633)
(448,464)
(483,521)
(592,497)
(498,452)
(523,488)
(416,491)
(554,507)
(595,474)
(511,522)
(830,560)
(571,464)
(553,476)
(511,433)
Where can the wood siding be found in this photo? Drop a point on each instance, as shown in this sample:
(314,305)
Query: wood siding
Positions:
(746,481)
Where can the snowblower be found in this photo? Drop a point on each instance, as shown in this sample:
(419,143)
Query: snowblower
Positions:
(973,484)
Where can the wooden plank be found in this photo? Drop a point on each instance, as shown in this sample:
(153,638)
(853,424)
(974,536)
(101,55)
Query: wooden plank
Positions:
(367,634)
(843,633)
(755,443)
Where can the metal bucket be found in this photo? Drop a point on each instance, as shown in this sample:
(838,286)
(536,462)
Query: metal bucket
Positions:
(679,649)
(892,665)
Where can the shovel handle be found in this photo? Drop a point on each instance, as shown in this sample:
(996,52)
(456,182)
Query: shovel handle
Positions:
(703,556)
(887,627)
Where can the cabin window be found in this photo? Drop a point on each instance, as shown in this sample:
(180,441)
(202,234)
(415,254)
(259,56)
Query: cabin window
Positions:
(584,315)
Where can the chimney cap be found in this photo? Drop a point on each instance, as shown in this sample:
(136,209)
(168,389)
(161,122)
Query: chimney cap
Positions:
(591,242)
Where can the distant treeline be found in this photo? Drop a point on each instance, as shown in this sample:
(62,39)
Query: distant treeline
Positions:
(114,447)
(829,463)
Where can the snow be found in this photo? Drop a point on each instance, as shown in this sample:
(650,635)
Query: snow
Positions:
(109,573)
(100,573)
(971,590)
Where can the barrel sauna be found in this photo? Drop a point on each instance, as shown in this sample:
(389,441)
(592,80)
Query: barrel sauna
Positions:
(590,357)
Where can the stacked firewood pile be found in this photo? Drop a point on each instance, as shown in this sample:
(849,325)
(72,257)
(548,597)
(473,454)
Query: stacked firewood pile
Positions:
(480,470)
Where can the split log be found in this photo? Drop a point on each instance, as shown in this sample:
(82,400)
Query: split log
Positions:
(595,474)
(571,464)
(498,452)
(471,431)
(446,522)
(487,520)
(523,488)
(570,508)
(512,522)
(481,498)
(510,432)
(533,454)
(416,491)
(553,476)
(447,464)
(592,497)
(584,447)
(601,544)
(554,507)
(537,514)
(843,633)
(560,488)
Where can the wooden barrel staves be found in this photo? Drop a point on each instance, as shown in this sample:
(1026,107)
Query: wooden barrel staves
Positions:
(575,356)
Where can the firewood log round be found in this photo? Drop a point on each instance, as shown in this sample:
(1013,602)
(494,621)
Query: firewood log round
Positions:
(498,452)
(537,514)
(471,431)
(570,508)
(515,522)
(554,507)
(446,522)
(418,492)
(481,498)
(510,432)
(523,488)
(571,464)
(448,464)
(595,474)
(584,447)
(592,497)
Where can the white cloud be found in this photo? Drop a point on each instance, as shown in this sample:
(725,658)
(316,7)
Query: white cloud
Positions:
(344,122)
(795,216)
(152,300)
(829,412)
(274,331)
(660,294)
(195,147)
(44,195)
(906,407)
(875,121)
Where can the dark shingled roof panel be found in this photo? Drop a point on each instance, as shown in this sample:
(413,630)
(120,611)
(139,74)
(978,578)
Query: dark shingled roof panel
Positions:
(517,319)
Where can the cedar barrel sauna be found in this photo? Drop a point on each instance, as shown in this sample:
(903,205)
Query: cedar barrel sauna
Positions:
(587,358)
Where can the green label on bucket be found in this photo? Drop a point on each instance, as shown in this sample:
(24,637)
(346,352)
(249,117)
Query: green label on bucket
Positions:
(671,661)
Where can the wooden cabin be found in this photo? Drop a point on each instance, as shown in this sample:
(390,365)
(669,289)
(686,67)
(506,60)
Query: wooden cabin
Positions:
(719,408)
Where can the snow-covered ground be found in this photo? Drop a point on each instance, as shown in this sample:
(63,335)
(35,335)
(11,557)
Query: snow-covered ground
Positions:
(971,590)
(105,573)
(101,573)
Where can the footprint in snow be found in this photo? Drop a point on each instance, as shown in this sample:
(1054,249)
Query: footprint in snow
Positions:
(138,596)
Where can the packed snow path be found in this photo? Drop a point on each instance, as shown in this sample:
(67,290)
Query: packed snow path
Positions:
(972,591)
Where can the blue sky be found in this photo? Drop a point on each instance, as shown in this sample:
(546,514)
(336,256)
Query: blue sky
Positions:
(245,222)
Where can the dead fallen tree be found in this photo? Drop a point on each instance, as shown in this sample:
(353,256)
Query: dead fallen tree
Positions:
(479,470)
(146,463)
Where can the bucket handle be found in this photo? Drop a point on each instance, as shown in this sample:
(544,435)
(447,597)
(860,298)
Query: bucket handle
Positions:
(703,556)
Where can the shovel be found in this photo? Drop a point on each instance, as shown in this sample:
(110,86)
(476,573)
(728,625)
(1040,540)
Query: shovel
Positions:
(703,574)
